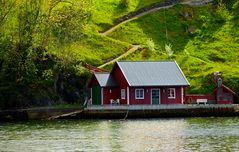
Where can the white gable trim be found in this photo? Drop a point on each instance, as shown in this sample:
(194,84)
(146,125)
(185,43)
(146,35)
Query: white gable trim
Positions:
(182,72)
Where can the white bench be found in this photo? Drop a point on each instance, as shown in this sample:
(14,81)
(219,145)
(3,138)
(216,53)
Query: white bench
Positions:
(201,101)
(112,101)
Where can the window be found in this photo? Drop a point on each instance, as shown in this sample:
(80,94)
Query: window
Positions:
(139,93)
(171,93)
(122,93)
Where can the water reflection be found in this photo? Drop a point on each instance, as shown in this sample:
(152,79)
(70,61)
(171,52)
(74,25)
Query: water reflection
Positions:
(189,134)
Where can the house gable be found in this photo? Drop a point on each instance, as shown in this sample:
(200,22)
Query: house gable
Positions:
(93,82)
(103,79)
(123,84)
(119,76)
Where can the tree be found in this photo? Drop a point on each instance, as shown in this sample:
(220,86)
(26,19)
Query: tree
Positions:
(5,8)
(26,64)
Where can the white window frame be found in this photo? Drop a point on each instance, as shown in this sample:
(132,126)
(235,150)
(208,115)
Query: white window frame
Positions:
(169,94)
(123,93)
(136,97)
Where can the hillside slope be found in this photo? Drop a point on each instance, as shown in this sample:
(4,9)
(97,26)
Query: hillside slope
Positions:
(204,39)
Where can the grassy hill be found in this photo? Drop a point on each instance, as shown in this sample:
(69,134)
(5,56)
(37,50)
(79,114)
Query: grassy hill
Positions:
(211,46)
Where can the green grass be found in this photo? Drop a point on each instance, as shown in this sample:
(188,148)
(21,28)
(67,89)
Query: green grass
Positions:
(155,26)
(106,11)
(94,49)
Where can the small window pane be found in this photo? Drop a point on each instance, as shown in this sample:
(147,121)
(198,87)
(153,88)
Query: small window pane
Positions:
(171,93)
(139,94)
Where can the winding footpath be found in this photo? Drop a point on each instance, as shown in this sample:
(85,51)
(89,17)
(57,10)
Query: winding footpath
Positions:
(153,8)
(133,18)
(131,50)
(142,12)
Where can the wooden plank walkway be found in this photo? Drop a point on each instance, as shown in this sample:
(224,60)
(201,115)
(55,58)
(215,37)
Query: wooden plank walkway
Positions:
(158,111)
(123,112)
(159,107)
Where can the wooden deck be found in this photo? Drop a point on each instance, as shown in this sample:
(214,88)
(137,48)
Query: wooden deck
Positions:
(124,112)
(155,111)
(160,107)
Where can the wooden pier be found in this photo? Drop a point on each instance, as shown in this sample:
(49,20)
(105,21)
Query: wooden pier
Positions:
(124,112)
(156,111)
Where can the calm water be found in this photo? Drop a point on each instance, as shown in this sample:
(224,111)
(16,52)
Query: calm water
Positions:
(185,134)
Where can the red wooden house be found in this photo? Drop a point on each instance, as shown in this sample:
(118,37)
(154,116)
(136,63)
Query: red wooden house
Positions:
(139,82)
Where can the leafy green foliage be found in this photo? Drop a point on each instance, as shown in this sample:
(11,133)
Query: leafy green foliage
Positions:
(124,3)
(168,49)
(150,44)
(28,67)
(106,11)
(67,22)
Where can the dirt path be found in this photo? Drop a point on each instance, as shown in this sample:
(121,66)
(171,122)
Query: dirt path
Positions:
(131,50)
(135,17)
(152,8)
(196,2)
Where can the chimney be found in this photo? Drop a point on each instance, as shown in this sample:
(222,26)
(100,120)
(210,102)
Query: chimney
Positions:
(217,78)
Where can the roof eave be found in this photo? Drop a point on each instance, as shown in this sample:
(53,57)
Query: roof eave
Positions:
(182,73)
(228,89)
(159,85)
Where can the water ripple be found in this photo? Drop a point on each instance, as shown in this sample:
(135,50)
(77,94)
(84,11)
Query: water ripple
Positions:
(150,135)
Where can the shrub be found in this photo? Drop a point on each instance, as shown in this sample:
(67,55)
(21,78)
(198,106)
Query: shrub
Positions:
(150,45)
(168,49)
(124,3)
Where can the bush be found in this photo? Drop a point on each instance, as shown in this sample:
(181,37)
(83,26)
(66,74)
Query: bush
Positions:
(124,3)
(145,53)
(168,49)
(150,45)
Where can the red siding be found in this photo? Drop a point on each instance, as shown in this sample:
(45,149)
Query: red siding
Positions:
(224,102)
(93,81)
(114,94)
(224,95)
(163,96)
(123,84)
(147,96)
(166,100)
(190,98)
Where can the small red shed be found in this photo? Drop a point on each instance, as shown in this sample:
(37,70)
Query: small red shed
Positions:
(224,95)
(139,82)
